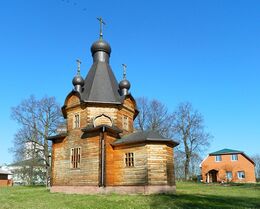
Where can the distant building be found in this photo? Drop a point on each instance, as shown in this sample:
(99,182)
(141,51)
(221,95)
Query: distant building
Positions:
(228,165)
(5,177)
(99,152)
(29,171)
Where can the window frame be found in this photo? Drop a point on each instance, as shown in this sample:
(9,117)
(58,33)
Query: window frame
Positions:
(243,176)
(218,158)
(75,163)
(236,158)
(129,159)
(227,176)
(76,122)
(125,122)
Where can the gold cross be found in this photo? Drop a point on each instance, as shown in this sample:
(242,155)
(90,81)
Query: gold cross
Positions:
(124,70)
(101,21)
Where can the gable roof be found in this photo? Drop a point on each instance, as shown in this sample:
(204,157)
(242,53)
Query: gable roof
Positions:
(143,136)
(231,151)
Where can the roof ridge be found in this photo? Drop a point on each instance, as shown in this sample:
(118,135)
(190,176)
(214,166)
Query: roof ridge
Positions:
(226,151)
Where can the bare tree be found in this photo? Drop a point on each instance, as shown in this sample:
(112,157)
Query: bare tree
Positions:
(179,164)
(142,118)
(188,129)
(256,159)
(179,160)
(38,120)
(195,165)
(25,153)
(184,125)
(153,115)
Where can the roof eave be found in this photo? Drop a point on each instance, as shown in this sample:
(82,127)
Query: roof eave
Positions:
(57,137)
(146,141)
(225,153)
(101,102)
(112,129)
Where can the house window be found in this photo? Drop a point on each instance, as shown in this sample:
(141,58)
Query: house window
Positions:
(241,174)
(76,121)
(129,159)
(234,157)
(125,122)
(75,156)
(229,175)
(218,158)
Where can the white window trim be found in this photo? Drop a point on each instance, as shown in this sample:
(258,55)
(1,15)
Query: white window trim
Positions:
(218,160)
(231,174)
(239,176)
(232,157)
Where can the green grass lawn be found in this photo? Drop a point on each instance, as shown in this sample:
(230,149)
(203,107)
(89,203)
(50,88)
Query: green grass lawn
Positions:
(189,195)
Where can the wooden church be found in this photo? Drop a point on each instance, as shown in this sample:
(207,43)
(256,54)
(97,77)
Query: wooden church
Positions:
(100,152)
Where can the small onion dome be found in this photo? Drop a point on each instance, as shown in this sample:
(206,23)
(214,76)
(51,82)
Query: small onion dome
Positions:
(78,80)
(100,45)
(124,84)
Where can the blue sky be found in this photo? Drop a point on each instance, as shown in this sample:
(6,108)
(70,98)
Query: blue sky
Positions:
(202,51)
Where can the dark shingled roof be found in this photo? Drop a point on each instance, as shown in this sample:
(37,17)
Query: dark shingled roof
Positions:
(143,136)
(100,84)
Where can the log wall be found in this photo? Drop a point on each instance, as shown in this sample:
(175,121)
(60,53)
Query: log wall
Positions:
(87,173)
(136,175)
(153,163)
(157,164)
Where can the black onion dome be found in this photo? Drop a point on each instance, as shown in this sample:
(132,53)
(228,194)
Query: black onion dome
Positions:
(78,80)
(124,84)
(100,45)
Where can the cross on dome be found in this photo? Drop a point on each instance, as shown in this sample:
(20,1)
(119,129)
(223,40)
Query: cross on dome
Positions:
(101,21)
(124,70)
(79,63)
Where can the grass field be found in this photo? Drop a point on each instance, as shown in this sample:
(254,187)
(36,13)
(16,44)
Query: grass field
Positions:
(189,195)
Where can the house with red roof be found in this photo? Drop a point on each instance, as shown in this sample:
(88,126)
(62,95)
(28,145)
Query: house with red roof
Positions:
(228,165)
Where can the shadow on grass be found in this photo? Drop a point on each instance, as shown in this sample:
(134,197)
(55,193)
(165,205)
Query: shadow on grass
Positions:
(247,185)
(203,201)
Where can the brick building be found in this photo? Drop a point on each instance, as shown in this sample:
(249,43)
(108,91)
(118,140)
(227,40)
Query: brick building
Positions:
(5,178)
(100,152)
(228,165)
